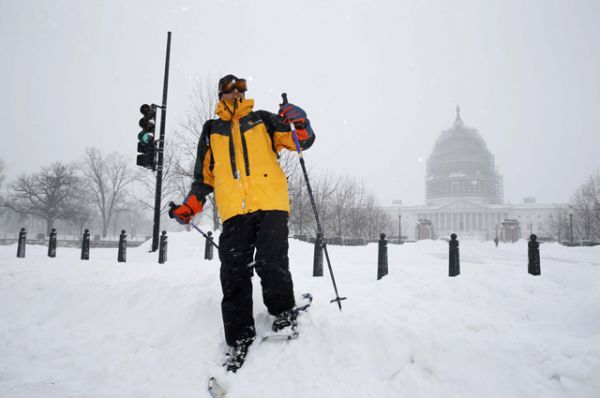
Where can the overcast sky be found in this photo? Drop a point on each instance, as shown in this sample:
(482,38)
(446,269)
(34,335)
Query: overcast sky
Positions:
(379,79)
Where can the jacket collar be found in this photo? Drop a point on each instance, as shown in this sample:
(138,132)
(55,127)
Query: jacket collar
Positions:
(228,110)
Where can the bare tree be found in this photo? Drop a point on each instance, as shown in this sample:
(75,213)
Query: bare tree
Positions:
(301,215)
(79,216)
(107,179)
(357,218)
(558,225)
(2,171)
(133,217)
(288,160)
(345,207)
(2,178)
(204,99)
(376,220)
(323,187)
(586,203)
(49,194)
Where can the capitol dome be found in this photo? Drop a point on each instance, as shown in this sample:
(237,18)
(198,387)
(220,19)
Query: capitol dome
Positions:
(461,167)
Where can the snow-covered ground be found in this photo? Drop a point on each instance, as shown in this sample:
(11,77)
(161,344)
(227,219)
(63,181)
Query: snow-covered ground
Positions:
(98,328)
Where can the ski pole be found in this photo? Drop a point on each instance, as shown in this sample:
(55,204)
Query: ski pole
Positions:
(203,234)
(337,298)
(172,205)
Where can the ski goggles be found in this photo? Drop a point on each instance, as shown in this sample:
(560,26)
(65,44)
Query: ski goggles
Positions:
(233,84)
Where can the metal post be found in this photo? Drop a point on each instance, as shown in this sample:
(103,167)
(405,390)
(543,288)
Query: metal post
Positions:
(85,245)
(534,255)
(122,255)
(162,252)
(454,258)
(400,229)
(22,243)
(52,244)
(382,258)
(208,246)
(161,150)
(571,217)
(318,256)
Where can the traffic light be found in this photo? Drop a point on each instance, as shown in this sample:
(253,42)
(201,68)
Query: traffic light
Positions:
(146,147)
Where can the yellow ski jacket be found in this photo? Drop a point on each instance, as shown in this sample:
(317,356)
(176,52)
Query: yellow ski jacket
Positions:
(237,158)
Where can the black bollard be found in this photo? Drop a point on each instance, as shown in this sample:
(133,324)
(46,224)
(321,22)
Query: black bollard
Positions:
(382,260)
(85,245)
(162,250)
(534,255)
(454,257)
(52,244)
(22,243)
(318,256)
(208,247)
(122,256)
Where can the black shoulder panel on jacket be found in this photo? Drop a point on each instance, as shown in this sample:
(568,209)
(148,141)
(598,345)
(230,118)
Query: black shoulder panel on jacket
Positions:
(218,126)
(199,187)
(273,122)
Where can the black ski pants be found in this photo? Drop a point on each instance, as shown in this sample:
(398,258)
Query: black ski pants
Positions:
(254,241)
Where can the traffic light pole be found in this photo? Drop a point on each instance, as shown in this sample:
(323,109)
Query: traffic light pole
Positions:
(161,149)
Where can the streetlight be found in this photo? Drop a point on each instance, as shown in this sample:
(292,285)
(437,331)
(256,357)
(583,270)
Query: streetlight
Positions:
(571,220)
(530,228)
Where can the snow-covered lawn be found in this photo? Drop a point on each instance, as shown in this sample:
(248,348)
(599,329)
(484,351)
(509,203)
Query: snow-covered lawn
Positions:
(98,328)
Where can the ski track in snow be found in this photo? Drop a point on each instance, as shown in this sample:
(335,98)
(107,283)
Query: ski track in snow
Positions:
(98,328)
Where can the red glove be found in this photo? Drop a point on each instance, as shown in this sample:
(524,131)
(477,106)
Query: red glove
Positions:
(303,129)
(183,213)
(291,113)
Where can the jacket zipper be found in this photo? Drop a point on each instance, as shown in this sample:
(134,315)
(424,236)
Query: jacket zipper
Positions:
(245,149)
(237,133)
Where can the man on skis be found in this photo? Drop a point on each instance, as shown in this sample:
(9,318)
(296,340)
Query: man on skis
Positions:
(237,159)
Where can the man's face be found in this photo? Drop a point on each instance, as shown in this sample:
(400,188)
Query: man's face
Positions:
(233,95)
(233,89)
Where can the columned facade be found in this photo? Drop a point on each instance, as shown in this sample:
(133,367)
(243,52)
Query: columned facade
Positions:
(464,193)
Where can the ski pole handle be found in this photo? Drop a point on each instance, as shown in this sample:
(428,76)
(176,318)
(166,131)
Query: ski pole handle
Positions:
(294,135)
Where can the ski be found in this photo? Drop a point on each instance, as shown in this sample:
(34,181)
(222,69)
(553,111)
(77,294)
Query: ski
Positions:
(216,390)
(281,336)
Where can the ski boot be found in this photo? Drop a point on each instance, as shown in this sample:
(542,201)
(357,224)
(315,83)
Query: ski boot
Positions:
(237,354)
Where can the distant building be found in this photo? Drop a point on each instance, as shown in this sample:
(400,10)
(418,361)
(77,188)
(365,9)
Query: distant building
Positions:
(464,194)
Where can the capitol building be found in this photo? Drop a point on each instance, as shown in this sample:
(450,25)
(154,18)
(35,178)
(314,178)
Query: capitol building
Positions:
(464,194)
